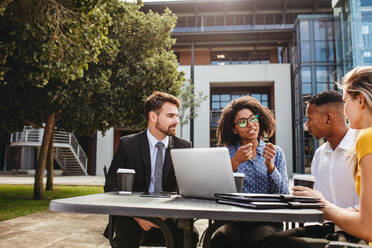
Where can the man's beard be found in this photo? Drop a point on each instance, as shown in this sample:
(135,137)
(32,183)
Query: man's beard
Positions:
(167,131)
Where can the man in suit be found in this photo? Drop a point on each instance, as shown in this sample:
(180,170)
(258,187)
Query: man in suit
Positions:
(148,153)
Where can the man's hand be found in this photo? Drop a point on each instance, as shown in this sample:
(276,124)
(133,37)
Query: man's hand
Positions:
(269,154)
(145,224)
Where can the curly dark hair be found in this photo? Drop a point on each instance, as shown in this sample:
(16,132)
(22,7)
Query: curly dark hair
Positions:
(226,124)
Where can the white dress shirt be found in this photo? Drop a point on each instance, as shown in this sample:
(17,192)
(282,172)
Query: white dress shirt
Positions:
(332,170)
(153,150)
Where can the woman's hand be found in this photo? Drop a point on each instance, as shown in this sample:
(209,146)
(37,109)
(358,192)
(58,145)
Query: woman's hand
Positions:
(269,154)
(243,154)
(305,191)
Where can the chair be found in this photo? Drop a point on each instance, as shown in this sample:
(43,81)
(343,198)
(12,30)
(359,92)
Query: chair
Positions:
(109,232)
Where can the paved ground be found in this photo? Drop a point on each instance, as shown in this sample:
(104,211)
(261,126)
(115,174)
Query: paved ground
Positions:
(50,229)
(54,230)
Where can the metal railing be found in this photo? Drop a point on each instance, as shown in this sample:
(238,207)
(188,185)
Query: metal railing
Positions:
(31,135)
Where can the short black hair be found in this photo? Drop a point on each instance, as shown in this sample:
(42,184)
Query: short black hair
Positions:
(326,97)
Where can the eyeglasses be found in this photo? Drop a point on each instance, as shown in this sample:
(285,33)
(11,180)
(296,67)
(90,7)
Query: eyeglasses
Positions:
(243,122)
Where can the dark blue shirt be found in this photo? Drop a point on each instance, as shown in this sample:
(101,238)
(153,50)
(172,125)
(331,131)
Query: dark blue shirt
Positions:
(257,178)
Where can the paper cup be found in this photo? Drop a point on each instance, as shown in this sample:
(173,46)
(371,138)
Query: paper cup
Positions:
(303,180)
(125,181)
(239,179)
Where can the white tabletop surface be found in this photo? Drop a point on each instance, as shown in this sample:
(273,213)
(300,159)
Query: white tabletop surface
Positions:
(177,207)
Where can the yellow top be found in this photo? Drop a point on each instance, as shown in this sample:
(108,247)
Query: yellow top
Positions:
(363,147)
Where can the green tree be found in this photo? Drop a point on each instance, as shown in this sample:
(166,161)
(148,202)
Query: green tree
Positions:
(82,66)
(190,104)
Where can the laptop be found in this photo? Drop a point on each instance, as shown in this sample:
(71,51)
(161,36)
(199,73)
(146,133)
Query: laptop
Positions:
(202,172)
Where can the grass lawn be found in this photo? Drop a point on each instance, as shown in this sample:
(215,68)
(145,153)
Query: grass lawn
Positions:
(16,200)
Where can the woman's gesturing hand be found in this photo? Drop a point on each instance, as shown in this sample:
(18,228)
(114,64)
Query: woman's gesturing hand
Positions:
(269,154)
(243,154)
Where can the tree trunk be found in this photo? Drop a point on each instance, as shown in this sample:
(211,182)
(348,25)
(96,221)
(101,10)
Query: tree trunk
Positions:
(50,160)
(40,167)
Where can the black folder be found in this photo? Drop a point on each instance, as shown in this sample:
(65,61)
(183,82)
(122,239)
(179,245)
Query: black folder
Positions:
(267,201)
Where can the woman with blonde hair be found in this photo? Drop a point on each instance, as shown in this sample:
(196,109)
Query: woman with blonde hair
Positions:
(357,94)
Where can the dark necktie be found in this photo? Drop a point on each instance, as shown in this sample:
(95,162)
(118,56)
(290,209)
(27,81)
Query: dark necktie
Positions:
(158,174)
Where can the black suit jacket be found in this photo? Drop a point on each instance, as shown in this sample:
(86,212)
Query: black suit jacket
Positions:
(134,153)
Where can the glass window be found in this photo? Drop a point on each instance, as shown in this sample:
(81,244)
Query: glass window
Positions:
(321,87)
(321,74)
(320,30)
(304,30)
(220,20)
(224,104)
(330,31)
(215,97)
(229,20)
(306,75)
(209,20)
(233,97)
(257,96)
(239,20)
(216,105)
(305,51)
(306,88)
(365,3)
(331,74)
(225,97)
(323,51)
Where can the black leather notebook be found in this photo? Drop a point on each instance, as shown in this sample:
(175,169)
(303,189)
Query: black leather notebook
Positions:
(249,197)
(267,201)
(271,205)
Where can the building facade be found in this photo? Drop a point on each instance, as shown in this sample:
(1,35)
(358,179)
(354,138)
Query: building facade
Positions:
(278,51)
(281,52)
(353,34)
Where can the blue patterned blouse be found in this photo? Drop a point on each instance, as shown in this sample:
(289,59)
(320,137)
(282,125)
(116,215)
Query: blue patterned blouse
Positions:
(257,179)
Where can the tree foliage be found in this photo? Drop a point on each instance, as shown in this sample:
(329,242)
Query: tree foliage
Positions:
(89,63)
(190,104)
(45,46)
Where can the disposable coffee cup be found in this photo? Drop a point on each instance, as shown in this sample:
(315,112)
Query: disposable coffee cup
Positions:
(303,180)
(239,179)
(125,181)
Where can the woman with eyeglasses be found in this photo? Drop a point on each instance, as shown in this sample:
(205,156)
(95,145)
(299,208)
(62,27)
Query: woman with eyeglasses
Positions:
(243,124)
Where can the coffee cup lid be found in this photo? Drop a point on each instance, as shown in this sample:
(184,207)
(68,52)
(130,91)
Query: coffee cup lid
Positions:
(238,174)
(306,177)
(121,170)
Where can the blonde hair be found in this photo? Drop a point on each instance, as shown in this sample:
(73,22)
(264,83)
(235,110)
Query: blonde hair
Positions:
(356,82)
